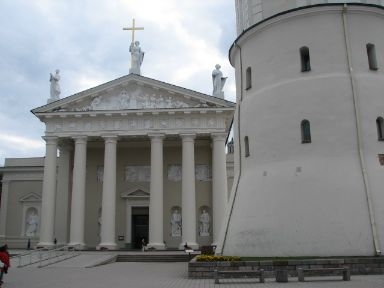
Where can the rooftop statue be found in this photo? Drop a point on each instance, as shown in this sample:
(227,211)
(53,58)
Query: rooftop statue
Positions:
(55,87)
(218,82)
(137,56)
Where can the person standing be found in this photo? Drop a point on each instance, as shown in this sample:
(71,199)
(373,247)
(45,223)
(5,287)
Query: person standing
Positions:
(4,258)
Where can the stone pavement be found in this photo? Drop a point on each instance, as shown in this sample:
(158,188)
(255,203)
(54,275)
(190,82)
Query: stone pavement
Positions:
(72,273)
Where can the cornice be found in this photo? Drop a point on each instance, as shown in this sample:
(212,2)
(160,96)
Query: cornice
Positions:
(300,12)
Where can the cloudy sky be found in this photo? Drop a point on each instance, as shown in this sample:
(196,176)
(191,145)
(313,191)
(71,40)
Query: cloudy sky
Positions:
(182,40)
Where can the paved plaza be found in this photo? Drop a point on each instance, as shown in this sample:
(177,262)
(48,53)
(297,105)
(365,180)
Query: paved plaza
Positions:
(73,273)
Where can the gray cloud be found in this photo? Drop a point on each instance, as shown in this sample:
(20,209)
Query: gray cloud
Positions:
(183,40)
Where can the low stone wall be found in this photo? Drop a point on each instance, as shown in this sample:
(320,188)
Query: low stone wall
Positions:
(358,266)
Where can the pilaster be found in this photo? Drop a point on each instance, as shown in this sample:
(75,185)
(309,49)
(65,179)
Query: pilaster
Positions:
(219,183)
(4,209)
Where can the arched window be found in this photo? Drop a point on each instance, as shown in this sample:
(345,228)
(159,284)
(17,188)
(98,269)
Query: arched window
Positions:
(246,146)
(248,78)
(372,62)
(380,128)
(305,60)
(305,131)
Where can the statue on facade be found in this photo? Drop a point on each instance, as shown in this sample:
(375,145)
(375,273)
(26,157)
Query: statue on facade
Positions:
(176,223)
(137,56)
(55,87)
(100,173)
(204,223)
(218,82)
(230,146)
(32,224)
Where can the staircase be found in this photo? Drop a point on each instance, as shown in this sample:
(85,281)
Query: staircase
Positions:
(153,257)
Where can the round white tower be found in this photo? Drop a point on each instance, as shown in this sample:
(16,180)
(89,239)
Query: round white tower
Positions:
(309,129)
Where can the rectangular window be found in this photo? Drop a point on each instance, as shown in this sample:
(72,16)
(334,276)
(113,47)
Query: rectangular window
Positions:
(372,62)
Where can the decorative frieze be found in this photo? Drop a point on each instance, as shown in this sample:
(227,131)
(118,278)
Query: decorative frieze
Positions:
(174,173)
(136,99)
(138,173)
(202,172)
(138,125)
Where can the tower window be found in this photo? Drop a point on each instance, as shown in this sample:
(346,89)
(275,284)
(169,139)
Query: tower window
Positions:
(305,60)
(246,145)
(380,128)
(305,131)
(248,78)
(372,62)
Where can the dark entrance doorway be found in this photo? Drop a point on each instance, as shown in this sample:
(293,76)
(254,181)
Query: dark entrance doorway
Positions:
(140,226)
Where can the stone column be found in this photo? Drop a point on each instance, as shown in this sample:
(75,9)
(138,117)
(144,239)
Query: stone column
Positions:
(108,205)
(128,223)
(47,221)
(78,193)
(63,190)
(156,238)
(4,209)
(188,193)
(219,183)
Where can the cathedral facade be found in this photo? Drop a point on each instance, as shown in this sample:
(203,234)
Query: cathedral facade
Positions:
(132,160)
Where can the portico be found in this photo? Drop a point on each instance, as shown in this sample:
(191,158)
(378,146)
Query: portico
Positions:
(133,142)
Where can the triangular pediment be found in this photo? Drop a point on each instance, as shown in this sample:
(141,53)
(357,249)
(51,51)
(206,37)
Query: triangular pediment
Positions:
(31,197)
(134,92)
(135,192)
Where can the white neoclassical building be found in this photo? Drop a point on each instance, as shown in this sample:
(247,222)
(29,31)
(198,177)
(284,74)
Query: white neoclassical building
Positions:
(132,159)
(309,150)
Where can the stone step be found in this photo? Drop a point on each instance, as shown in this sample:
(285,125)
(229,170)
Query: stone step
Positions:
(153,258)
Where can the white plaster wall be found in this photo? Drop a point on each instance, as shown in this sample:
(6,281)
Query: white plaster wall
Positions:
(307,199)
(250,12)
(370,87)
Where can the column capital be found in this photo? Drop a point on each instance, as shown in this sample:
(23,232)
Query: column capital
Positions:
(5,181)
(65,144)
(110,138)
(219,136)
(50,139)
(156,135)
(188,136)
(80,138)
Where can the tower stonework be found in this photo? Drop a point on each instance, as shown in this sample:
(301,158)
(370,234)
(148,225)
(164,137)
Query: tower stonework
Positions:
(250,12)
(308,130)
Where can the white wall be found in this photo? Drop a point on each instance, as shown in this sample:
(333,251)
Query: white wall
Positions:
(250,12)
(308,199)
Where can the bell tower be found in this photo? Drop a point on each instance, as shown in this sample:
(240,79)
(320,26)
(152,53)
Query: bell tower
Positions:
(308,129)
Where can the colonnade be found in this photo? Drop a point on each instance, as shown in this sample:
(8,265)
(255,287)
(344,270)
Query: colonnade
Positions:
(108,216)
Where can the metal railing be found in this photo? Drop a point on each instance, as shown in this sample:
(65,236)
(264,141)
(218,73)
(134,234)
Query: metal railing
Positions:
(46,256)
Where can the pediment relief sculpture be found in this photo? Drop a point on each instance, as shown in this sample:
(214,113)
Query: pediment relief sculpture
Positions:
(31,197)
(134,99)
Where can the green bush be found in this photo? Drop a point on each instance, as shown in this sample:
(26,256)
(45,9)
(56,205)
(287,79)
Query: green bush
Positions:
(216,258)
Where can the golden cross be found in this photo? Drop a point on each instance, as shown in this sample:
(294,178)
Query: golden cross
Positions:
(133,28)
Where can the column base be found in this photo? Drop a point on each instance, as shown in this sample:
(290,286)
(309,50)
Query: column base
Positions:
(106,246)
(155,246)
(45,245)
(192,245)
(77,246)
